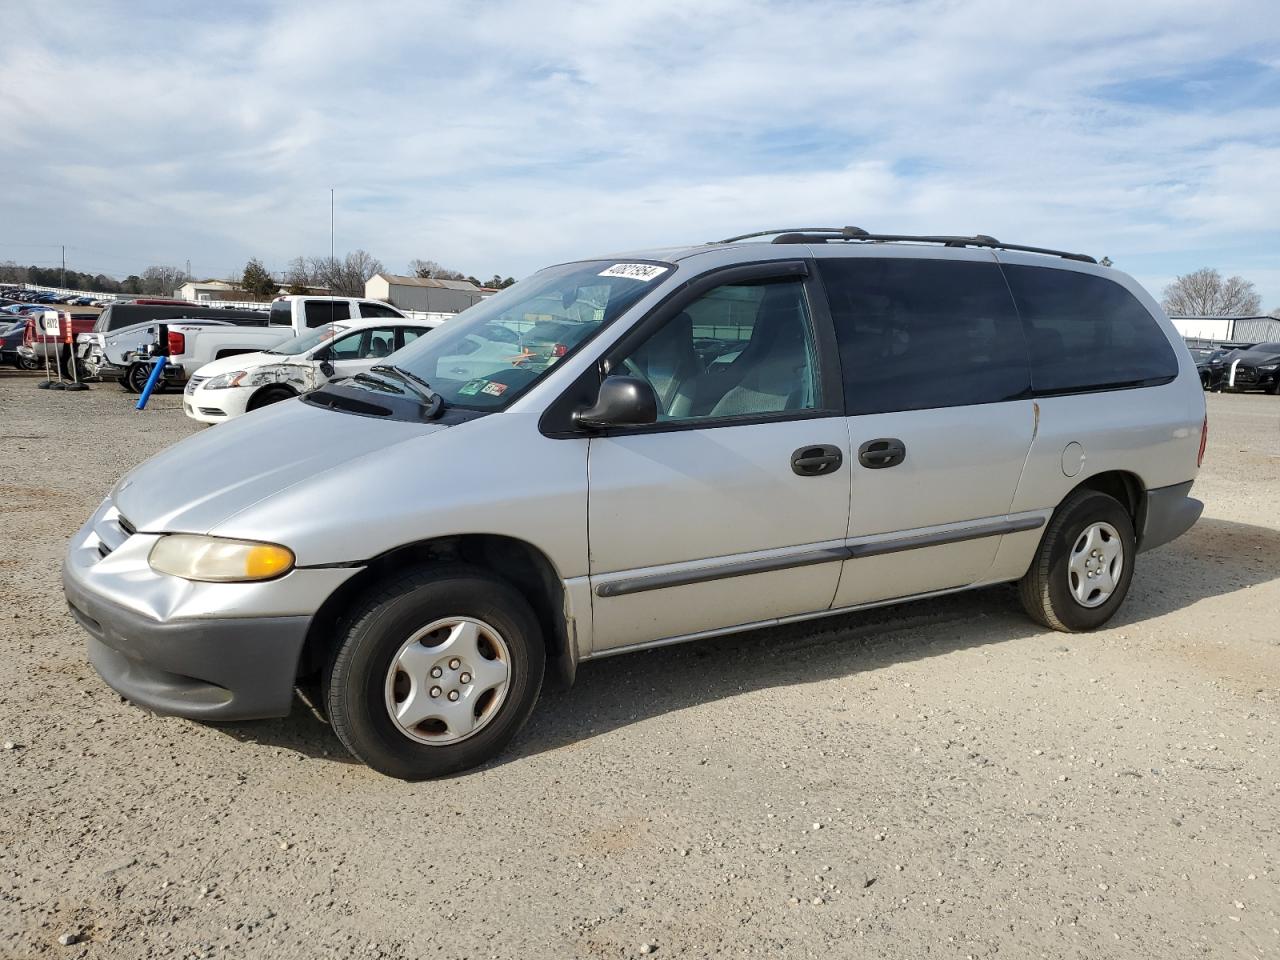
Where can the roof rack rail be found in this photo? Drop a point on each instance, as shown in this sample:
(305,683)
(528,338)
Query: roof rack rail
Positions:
(857,234)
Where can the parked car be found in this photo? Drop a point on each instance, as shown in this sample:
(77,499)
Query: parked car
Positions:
(1210,361)
(11,338)
(44,338)
(230,387)
(118,347)
(127,354)
(428,546)
(1253,368)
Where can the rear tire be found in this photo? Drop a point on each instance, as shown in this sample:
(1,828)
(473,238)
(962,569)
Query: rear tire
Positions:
(1083,566)
(135,378)
(481,636)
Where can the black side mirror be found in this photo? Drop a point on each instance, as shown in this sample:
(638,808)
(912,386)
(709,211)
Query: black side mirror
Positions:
(621,402)
(326,367)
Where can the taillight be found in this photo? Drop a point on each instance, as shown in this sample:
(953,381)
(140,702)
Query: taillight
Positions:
(559,350)
(177,343)
(1204,439)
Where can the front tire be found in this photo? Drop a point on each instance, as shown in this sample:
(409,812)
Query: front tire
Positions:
(435,672)
(1083,566)
(268,396)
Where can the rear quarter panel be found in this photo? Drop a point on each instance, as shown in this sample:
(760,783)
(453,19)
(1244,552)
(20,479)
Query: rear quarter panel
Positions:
(1150,432)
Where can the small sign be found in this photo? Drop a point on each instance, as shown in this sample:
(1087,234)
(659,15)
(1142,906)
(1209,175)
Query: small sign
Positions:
(643,272)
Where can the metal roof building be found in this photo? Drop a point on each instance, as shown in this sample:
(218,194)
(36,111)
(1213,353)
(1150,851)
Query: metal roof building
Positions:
(1256,329)
(421,293)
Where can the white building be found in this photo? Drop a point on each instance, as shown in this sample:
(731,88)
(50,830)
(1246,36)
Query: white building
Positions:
(200,290)
(423,294)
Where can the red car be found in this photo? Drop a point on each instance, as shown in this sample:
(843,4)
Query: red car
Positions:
(40,342)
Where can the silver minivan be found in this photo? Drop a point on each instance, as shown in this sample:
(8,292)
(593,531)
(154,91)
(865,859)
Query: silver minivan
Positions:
(638,450)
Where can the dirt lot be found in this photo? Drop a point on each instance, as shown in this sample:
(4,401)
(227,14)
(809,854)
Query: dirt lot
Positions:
(936,780)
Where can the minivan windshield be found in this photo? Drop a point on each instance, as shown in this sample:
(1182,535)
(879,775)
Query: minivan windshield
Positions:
(312,338)
(494,351)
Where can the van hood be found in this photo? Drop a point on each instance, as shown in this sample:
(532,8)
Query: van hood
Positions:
(206,479)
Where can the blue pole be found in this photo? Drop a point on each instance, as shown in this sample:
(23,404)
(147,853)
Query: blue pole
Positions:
(151,382)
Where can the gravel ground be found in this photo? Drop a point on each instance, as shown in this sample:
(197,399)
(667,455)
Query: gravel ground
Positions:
(941,779)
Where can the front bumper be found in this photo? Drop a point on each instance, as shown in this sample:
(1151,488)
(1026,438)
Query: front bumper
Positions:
(215,406)
(173,645)
(217,669)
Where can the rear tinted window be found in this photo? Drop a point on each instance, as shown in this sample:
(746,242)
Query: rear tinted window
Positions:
(327,311)
(281,313)
(377,310)
(916,334)
(1087,333)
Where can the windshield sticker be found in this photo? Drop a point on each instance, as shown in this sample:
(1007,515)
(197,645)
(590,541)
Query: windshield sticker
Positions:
(494,389)
(471,388)
(634,271)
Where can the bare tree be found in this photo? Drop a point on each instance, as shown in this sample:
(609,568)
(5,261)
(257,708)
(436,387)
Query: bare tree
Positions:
(162,281)
(1205,294)
(431,270)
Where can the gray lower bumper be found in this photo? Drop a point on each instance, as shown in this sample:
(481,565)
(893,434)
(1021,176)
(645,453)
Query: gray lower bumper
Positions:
(223,669)
(1170,513)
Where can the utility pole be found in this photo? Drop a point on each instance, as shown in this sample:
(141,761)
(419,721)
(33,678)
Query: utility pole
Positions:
(64,266)
(188,269)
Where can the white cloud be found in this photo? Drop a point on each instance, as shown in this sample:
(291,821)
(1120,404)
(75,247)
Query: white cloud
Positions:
(505,135)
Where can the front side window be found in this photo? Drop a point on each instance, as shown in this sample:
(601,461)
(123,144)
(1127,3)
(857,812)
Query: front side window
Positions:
(739,350)
(364,345)
(498,348)
(1086,332)
(917,334)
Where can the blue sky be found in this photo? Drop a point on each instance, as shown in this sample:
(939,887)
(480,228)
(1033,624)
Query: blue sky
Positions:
(496,136)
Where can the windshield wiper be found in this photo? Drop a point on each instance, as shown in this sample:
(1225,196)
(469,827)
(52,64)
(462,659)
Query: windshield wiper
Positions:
(433,402)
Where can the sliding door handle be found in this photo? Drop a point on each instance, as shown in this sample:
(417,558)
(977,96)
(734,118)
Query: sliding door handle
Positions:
(885,452)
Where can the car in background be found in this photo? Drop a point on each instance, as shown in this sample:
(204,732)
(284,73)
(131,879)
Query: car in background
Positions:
(228,388)
(12,335)
(1254,368)
(1210,360)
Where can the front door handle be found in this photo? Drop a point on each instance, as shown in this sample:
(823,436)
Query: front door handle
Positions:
(816,460)
(885,452)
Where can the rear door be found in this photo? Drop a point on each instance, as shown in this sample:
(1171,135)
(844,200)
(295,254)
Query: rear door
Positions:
(938,392)
(732,509)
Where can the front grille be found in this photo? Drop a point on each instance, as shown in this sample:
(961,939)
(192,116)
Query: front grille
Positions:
(112,533)
(195,382)
(1246,375)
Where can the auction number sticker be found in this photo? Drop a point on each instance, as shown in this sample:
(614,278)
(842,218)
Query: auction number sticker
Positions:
(634,271)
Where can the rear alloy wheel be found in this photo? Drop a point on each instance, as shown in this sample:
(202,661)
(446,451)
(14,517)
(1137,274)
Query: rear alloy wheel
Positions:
(435,672)
(136,377)
(1083,566)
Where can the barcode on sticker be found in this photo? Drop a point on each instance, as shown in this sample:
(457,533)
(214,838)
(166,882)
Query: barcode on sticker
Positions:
(634,271)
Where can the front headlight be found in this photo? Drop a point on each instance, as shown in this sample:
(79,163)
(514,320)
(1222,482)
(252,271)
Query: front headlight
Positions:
(1269,367)
(224,380)
(218,560)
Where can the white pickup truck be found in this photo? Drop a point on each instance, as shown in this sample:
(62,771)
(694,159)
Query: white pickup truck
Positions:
(126,354)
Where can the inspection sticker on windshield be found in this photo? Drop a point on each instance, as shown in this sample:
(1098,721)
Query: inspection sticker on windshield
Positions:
(634,271)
